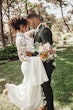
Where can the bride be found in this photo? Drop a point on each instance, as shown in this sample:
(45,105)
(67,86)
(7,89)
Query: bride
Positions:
(27,95)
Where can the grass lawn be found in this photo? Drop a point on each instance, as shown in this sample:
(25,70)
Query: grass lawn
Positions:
(62,77)
(11,71)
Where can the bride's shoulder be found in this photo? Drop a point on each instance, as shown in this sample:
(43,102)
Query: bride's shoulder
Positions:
(19,34)
(19,38)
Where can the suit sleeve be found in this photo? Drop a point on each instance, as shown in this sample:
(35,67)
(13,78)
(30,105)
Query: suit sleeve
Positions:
(46,36)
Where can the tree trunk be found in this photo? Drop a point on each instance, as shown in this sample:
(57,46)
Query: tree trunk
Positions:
(1,27)
(39,9)
(63,18)
(26,8)
(11,38)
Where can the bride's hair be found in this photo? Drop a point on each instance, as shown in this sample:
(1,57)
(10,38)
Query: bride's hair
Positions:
(15,23)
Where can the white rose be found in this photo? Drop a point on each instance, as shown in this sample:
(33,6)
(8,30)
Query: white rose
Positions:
(47,46)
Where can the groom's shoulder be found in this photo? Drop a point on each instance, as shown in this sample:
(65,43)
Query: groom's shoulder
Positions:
(45,30)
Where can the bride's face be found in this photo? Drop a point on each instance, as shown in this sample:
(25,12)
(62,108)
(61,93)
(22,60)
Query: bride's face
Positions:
(24,28)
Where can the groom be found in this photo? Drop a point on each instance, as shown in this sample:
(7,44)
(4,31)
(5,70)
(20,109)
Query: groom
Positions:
(44,35)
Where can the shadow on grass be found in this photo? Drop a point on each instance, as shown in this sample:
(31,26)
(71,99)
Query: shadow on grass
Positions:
(63,77)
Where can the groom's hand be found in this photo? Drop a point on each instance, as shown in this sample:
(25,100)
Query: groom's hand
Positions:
(28,54)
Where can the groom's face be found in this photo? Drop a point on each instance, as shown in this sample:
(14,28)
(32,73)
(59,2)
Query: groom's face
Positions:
(34,22)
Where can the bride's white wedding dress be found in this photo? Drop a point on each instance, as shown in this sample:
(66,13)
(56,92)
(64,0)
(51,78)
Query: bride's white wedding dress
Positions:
(27,95)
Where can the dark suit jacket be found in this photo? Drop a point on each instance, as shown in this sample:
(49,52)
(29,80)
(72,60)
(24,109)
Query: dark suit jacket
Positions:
(44,35)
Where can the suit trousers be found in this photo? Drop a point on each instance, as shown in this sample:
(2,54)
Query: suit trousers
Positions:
(47,86)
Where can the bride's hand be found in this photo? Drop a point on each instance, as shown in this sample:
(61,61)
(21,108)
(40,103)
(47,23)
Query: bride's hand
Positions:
(5,92)
(28,54)
(45,24)
(42,108)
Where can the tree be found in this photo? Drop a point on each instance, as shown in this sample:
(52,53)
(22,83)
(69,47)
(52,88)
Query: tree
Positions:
(61,3)
(1,26)
(11,38)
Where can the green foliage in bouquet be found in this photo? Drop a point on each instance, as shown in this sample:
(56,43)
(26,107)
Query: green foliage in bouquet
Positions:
(37,45)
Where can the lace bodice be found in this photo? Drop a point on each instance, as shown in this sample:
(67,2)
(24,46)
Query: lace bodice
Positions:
(24,43)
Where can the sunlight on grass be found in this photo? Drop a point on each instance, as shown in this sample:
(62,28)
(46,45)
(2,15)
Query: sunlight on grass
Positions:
(69,62)
(62,59)
(61,49)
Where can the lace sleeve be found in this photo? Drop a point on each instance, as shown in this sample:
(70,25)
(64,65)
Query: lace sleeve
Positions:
(21,48)
(30,33)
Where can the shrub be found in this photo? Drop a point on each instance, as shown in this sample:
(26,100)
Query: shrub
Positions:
(9,53)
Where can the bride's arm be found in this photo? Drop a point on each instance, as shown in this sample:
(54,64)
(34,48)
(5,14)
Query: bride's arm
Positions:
(30,33)
(21,49)
(21,55)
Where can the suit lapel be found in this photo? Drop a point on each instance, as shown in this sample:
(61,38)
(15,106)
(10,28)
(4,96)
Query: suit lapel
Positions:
(36,34)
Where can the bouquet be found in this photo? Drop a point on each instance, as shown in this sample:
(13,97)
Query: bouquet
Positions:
(46,51)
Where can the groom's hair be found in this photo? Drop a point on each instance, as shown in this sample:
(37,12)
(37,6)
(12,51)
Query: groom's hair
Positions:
(34,15)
